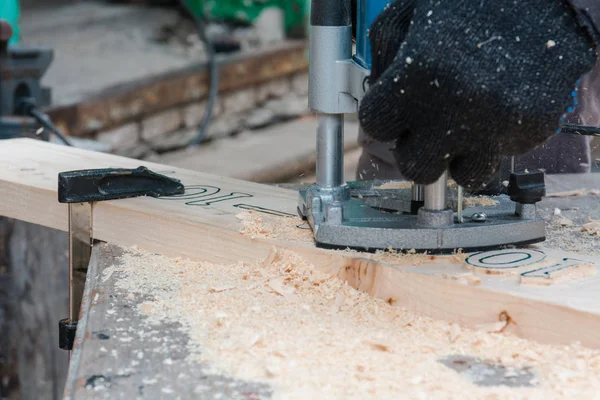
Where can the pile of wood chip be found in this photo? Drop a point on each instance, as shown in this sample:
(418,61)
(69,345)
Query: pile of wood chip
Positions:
(480,201)
(308,334)
(294,230)
(264,226)
(592,227)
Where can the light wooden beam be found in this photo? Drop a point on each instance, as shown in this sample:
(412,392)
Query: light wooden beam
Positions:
(202,225)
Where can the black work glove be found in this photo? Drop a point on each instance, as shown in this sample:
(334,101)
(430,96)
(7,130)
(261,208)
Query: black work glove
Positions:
(457,84)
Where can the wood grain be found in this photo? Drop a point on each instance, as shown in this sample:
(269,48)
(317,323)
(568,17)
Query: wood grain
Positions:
(205,230)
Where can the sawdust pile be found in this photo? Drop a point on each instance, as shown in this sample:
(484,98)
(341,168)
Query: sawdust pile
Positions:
(257,225)
(394,185)
(566,235)
(409,258)
(406,185)
(308,335)
(468,278)
(480,201)
(564,222)
(592,228)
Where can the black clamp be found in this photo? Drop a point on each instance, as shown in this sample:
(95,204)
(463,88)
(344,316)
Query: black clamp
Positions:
(66,333)
(415,205)
(114,183)
(86,186)
(527,187)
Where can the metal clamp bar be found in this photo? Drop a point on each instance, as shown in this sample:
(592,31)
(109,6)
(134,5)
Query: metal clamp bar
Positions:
(79,189)
(330,150)
(459,205)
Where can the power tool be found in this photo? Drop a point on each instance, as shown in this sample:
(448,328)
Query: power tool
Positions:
(381,215)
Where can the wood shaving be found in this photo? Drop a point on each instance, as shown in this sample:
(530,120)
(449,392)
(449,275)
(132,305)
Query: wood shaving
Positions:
(221,288)
(572,239)
(379,346)
(394,185)
(577,237)
(394,257)
(406,185)
(256,225)
(278,285)
(592,228)
(497,327)
(564,222)
(259,225)
(578,192)
(467,278)
(361,348)
(455,332)
(479,201)
(397,258)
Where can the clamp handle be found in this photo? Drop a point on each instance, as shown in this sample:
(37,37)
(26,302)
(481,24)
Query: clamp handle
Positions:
(84,187)
(114,183)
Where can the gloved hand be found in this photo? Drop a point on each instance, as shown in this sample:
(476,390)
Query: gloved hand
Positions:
(457,84)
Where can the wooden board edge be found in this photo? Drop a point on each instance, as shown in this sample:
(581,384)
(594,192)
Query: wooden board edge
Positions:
(469,306)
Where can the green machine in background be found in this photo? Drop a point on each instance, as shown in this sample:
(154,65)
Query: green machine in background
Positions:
(10,11)
(247,11)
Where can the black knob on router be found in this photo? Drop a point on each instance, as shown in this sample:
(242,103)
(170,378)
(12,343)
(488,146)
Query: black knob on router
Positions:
(526,187)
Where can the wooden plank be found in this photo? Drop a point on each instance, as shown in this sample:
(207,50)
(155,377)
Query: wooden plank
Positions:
(202,225)
(117,356)
(118,105)
(201,222)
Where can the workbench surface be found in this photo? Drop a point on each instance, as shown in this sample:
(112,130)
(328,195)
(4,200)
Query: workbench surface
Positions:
(121,356)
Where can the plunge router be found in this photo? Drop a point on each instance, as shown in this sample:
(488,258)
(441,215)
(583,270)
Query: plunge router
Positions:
(382,215)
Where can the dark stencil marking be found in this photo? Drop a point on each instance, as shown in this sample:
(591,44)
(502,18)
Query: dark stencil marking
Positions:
(206,195)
